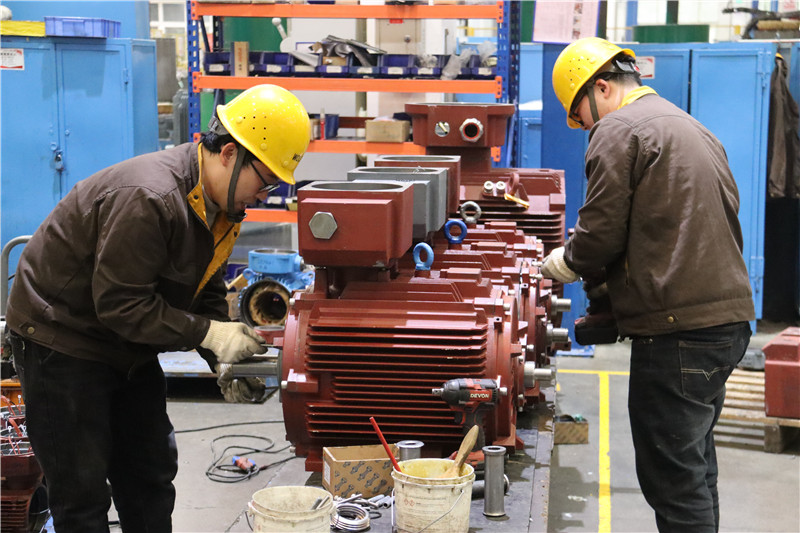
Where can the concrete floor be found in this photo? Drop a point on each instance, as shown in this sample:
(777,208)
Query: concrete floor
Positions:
(758,491)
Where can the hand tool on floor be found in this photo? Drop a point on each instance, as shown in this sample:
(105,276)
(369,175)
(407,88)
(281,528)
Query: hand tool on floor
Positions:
(385,446)
(466,446)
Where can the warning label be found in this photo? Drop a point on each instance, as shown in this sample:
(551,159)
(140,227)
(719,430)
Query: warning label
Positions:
(12,59)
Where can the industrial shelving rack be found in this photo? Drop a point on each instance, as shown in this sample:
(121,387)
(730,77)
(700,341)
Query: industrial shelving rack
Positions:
(505,86)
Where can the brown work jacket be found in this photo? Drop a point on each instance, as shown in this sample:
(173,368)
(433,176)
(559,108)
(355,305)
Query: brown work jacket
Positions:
(661,216)
(125,266)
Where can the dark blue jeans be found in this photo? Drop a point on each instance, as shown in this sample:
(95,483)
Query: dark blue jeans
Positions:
(677,389)
(89,423)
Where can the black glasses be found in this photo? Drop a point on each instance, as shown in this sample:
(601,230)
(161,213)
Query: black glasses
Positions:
(268,187)
(573,114)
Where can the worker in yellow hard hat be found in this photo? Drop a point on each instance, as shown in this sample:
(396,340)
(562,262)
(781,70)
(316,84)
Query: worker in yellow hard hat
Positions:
(130,264)
(660,223)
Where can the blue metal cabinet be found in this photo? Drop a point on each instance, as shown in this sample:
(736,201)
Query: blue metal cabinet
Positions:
(79,105)
(730,96)
(726,87)
(668,64)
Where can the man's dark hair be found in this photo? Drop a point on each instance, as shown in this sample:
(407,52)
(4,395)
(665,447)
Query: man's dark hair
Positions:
(214,142)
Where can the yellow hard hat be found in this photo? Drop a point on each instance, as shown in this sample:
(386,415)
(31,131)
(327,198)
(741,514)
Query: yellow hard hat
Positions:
(272,124)
(578,63)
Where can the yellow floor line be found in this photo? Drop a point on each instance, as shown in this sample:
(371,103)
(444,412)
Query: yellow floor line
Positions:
(604,459)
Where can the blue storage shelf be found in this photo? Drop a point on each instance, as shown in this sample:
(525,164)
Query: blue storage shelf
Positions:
(81,27)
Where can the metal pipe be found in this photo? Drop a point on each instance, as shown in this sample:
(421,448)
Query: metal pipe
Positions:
(410,449)
(4,269)
(479,485)
(494,494)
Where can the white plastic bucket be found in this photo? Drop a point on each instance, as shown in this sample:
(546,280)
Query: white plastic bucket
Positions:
(424,502)
(281,509)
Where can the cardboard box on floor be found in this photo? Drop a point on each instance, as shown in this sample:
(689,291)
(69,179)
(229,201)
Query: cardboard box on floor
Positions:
(348,470)
(387,131)
(570,429)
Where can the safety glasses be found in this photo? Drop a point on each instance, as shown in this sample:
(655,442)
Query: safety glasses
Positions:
(573,113)
(268,187)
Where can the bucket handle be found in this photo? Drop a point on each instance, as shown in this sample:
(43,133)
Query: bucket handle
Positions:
(429,525)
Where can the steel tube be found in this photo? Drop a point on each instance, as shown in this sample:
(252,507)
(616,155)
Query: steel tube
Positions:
(410,449)
(478,487)
(494,493)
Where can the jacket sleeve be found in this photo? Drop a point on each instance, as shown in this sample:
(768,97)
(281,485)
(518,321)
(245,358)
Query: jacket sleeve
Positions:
(127,277)
(601,232)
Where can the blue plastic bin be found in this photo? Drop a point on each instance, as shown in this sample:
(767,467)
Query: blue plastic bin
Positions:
(335,71)
(217,63)
(301,69)
(271,64)
(475,71)
(434,71)
(359,70)
(396,65)
(80,27)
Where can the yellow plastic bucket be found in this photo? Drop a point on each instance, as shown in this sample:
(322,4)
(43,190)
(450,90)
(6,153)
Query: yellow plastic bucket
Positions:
(281,509)
(424,502)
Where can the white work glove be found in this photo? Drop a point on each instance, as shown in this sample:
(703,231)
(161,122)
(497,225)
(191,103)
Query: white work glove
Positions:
(232,341)
(554,267)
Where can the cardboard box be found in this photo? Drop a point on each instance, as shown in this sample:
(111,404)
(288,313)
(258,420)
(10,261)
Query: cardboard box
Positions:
(387,131)
(348,470)
(570,429)
(241,58)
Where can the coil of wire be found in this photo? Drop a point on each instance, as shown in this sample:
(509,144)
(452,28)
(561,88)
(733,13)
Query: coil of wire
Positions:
(350,517)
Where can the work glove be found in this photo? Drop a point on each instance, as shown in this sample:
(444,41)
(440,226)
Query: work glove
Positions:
(232,341)
(598,326)
(554,267)
(240,390)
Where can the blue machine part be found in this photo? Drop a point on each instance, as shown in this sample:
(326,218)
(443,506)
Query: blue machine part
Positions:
(284,267)
(272,275)
(418,262)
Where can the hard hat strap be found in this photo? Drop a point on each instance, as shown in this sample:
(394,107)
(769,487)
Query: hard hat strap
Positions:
(592,102)
(237,167)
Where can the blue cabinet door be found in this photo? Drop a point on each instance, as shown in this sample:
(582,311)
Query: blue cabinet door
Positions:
(730,96)
(29,147)
(95,113)
(665,68)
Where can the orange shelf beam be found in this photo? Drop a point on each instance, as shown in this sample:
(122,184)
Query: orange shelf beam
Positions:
(363,147)
(271,215)
(337,11)
(350,84)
